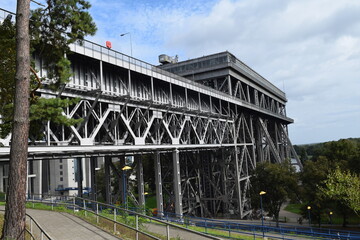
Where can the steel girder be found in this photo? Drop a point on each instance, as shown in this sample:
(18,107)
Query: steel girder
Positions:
(127,102)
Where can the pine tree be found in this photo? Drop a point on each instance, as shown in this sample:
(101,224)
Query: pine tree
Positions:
(52,29)
(14,224)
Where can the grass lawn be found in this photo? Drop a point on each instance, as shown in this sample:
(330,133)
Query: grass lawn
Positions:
(294,208)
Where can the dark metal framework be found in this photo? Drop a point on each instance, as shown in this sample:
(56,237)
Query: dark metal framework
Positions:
(206,125)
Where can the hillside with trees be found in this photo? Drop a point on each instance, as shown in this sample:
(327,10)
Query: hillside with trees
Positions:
(330,178)
(329,182)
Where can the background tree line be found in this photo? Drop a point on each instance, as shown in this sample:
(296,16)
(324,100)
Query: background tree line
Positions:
(329,181)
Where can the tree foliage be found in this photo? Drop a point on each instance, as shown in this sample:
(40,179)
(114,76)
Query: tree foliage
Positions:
(7,74)
(343,186)
(325,158)
(279,181)
(312,176)
(52,29)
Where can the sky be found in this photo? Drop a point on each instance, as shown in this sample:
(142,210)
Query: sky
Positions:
(309,48)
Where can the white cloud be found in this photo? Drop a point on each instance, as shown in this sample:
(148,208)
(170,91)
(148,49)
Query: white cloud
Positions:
(310,46)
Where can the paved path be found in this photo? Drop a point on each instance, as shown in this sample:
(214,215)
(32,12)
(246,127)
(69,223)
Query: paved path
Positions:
(63,226)
(174,232)
(291,218)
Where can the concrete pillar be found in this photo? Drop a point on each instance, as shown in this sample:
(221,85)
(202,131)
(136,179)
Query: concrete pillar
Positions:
(177,184)
(37,165)
(107,180)
(79,176)
(140,180)
(86,173)
(93,178)
(158,182)
(27,180)
(1,178)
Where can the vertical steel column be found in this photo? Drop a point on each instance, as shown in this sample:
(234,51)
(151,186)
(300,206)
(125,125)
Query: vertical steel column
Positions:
(177,184)
(171,94)
(237,170)
(259,142)
(158,182)
(79,176)
(129,81)
(199,177)
(93,178)
(152,89)
(1,178)
(230,85)
(122,184)
(248,93)
(199,99)
(101,77)
(225,183)
(107,180)
(140,180)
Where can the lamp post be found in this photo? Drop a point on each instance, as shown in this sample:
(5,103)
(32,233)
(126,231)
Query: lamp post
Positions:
(262,215)
(128,33)
(124,169)
(330,213)
(309,216)
(145,193)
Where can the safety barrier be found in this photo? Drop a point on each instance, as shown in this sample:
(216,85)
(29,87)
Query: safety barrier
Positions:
(232,228)
(34,230)
(97,210)
(284,231)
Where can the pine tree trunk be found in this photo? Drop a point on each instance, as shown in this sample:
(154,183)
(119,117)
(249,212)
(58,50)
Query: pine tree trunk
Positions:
(14,226)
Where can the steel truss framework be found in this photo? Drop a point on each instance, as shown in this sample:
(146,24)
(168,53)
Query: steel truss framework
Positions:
(234,121)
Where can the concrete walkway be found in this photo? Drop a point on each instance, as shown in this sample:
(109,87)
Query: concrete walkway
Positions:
(63,226)
(291,218)
(174,232)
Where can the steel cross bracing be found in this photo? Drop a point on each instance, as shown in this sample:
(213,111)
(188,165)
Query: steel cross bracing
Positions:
(131,107)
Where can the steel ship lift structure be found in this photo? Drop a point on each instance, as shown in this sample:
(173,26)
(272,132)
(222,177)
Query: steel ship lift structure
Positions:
(205,122)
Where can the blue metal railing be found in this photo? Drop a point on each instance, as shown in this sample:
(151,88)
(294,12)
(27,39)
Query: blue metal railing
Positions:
(96,208)
(284,231)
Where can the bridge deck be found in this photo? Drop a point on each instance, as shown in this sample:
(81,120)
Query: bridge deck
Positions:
(58,152)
